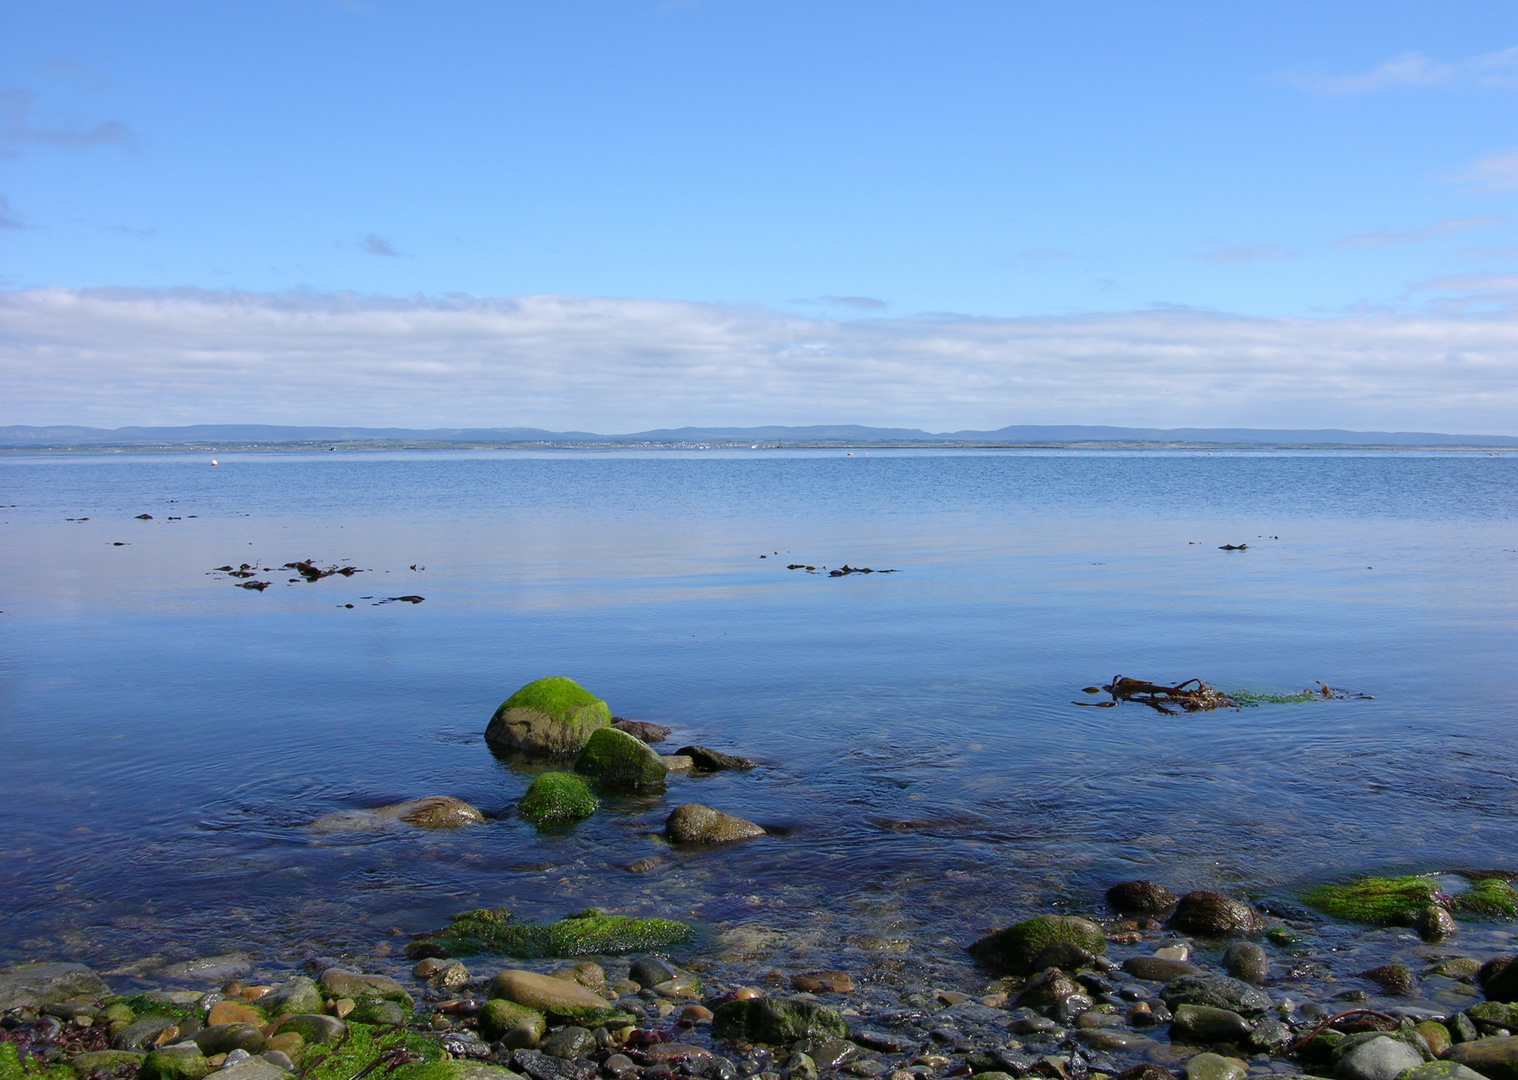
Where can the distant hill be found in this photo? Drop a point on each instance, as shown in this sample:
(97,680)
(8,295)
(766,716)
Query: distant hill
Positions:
(228,435)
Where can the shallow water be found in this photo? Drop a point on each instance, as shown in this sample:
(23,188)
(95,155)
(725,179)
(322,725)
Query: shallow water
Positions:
(170,737)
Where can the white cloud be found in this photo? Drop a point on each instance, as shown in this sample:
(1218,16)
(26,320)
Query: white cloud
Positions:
(1495,69)
(1495,172)
(112,357)
(374,244)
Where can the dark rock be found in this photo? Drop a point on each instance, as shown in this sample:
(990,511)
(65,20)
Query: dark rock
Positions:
(823,982)
(1215,915)
(1046,990)
(650,971)
(315,1028)
(706,759)
(1499,978)
(693,823)
(1462,1028)
(774,1021)
(1270,1036)
(1141,898)
(1433,923)
(182,1061)
(828,1052)
(1393,978)
(569,1043)
(224,1038)
(1218,991)
(1063,954)
(540,1066)
(1248,961)
(1205,1024)
(141,1033)
(337,983)
(1495,1058)
(1018,947)
(1147,1071)
(1158,969)
(639,729)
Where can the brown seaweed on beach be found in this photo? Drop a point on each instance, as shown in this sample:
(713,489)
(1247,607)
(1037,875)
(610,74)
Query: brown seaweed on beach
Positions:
(1193,695)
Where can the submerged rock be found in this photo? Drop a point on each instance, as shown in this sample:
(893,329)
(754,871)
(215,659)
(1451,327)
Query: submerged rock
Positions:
(693,823)
(706,759)
(555,798)
(1141,898)
(585,933)
(1215,915)
(641,729)
(620,762)
(1017,948)
(775,1021)
(1248,961)
(551,717)
(35,985)
(430,812)
(1216,991)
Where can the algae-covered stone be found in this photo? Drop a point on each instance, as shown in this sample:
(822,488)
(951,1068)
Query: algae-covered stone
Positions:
(556,797)
(35,985)
(433,812)
(552,717)
(559,999)
(1495,1058)
(179,1061)
(463,1070)
(1215,1067)
(1016,948)
(1489,896)
(1440,1070)
(375,1011)
(1376,901)
(1501,984)
(1378,1058)
(619,762)
(257,1068)
(583,934)
(1489,1015)
(692,823)
(295,995)
(518,1025)
(315,1028)
(224,1038)
(775,1021)
(107,1060)
(336,983)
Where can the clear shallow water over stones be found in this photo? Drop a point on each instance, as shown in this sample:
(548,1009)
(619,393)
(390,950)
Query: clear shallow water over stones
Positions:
(923,775)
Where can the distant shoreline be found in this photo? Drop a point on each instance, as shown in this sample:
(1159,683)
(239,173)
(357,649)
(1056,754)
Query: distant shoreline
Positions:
(379,446)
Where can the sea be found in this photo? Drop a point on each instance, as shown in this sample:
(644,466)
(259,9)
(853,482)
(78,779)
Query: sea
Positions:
(931,763)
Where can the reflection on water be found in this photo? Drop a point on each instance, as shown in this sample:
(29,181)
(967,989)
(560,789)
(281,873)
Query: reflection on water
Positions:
(171,737)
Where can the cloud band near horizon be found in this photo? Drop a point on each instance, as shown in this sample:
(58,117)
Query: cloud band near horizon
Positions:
(113,357)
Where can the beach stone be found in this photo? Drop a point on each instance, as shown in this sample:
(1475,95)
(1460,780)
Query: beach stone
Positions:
(432,812)
(1147,1071)
(693,823)
(1436,1035)
(181,1061)
(314,1028)
(450,976)
(1215,915)
(1495,1058)
(1017,948)
(641,729)
(587,973)
(1046,990)
(1141,898)
(218,968)
(337,983)
(1433,923)
(1062,954)
(828,1051)
(233,1012)
(799,1067)
(253,1069)
(1379,1058)
(1462,1028)
(141,1032)
(1489,970)
(295,995)
(1270,1035)
(1218,991)
(224,1038)
(674,1053)
(540,1066)
(568,1043)
(1456,967)
(552,717)
(1393,978)
(35,985)
(823,982)
(681,986)
(706,759)
(516,1025)
(1158,969)
(468,1070)
(619,762)
(678,763)
(555,997)
(288,1043)
(109,1060)
(1500,984)
(1107,1039)
(1247,961)
(1493,1014)
(776,1021)
(1204,1023)
(1440,1070)
(556,798)
(1215,1067)
(377,1011)
(650,971)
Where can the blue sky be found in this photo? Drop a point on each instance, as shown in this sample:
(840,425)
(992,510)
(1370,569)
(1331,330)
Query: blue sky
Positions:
(812,166)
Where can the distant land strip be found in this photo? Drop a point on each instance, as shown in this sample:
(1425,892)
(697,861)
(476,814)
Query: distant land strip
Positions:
(269,436)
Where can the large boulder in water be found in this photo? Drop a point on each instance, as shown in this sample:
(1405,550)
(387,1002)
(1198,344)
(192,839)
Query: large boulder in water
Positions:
(1215,915)
(35,985)
(552,717)
(692,823)
(620,762)
(1019,947)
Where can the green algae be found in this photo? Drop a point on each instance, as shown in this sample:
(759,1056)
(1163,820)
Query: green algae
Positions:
(1491,896)
(1396,901)
(364,1045)
(11,1067)
(1018,946)
(620,762)
(557,697)
(1250,697)
(586,933)
(557,797)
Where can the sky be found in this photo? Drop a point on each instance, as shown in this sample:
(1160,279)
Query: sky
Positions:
(643,213)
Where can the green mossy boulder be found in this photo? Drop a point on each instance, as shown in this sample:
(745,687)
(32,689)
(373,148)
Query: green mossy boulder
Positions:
(379,1013)
(585,933)
(297,994)
(555,798)
(520,1026)
(1490,896)
(619,762)
(777,1021)
(1400,901)
(552,717)
(336,983)
(1018,947)
(180,1061)
(107,1061)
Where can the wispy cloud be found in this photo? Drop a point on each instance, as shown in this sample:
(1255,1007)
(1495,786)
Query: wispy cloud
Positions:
(17,128)
(1413,69)
(1495,172)
(1246,253)
(861,303)
(128,230)
(135,356)
(1414,236)
(374,244)
(8,220)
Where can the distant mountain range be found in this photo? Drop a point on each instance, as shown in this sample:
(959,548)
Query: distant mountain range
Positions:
(230,435)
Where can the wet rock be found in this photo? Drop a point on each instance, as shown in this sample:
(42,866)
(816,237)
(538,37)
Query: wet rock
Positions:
(1500,980)
(288,1043)
(1247,961)
(143,1032)
(555,798)
(314,1028)
(619,762)
(799,1067)
(1379,1058)
(1215,915)
(182,1061)
(1433,923)
(774,1021)
(569,1043)
(232,1011)
(696,1014)
(1158,969)
(1205,1024)
(1490,1016)
(279,1058)
(468,1070)
(224,1038)
(678,988)
(1495,1058)
(827,1051)
(1141,898)
(693,823)
(385,1013)
(35,985)
(253,1069)
(587,973)
(516,1025)
(540,1066)
(705,759)
(619,1066)
(823,982)
(1146,1071)
(650,971)
(1456,967)
(1440,1070)
(1018,947)
(641,730)
(552,717)
(296,995)
(1270,1036)
(1217,991)
(337,983)
(108,1061)
(673,1053)
(1436,1035)
(1215,1067)
(1062,954)
(557,998)
(1393,978)
(434,812)
(449,975)
(217,968)
(1046,990)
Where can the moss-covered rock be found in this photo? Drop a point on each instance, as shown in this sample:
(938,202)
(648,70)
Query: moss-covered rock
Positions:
(1016,948)
(619,762)
(585,933)
(1376,901)
(107,1061)
(297,994)
(315,1028)
(180,1061)
(336,983)
(552,717)
(380,1013)
(777,1021)
(519,1025)
(1490,896)
(557,797)
(560,1000)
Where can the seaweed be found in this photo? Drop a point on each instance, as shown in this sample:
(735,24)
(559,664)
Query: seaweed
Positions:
(586,933)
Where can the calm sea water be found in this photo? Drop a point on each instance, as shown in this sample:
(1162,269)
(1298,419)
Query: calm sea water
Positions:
(168,738)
